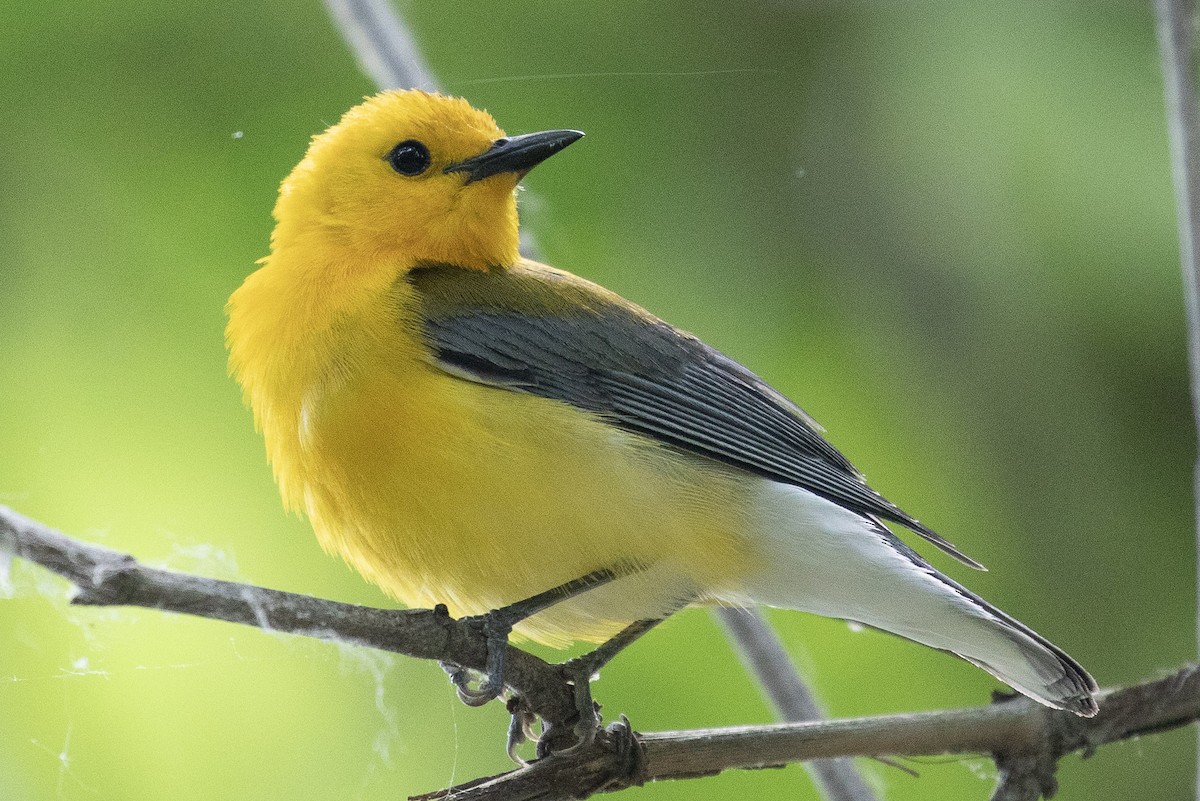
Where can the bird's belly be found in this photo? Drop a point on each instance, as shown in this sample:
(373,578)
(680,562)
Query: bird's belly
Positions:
(444,491)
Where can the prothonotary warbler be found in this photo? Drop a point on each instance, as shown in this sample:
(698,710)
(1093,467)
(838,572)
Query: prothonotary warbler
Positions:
(470,428)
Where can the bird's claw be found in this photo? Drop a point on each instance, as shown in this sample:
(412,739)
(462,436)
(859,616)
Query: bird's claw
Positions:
(495,627)
(479,696)
(460,677)
(520,727)
(579,673)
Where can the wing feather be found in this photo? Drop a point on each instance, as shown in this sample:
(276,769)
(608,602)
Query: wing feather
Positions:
(537,330)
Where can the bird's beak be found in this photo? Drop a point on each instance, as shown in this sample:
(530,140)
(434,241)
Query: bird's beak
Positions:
(518,154)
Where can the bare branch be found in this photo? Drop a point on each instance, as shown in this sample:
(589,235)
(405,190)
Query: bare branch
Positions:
(762,653)
(385,49)
(1176,23)
(108,578)
(1025,738)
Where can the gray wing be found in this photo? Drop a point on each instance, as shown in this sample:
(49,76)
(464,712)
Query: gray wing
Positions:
(641,375)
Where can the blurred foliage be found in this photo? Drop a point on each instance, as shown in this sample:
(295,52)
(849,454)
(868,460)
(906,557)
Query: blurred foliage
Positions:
(947,230)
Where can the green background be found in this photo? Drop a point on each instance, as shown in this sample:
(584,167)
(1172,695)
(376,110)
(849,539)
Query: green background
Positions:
(945,229)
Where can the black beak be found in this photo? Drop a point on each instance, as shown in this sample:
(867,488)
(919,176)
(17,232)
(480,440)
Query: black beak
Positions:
(518,154)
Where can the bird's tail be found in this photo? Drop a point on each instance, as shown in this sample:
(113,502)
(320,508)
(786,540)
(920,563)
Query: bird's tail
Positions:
(819,557)
(1043,671)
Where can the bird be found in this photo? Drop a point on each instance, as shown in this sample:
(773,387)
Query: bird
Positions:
(469,428)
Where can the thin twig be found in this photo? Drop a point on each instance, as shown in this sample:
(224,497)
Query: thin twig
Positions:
(763,656)
(387,53)
(108,578)
(381,42)
(1176,21)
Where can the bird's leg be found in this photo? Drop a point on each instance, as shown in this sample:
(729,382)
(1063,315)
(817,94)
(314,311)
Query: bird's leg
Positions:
(580,670)
(498,623)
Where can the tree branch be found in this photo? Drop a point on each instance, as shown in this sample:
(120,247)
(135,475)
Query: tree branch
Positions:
(1025,739)
(385,49)
(108,578)
(1176,23)
(762,654)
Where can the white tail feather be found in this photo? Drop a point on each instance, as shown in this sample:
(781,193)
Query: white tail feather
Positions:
(818,557)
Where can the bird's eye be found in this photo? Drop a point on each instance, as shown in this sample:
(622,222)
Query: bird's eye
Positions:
(410,157)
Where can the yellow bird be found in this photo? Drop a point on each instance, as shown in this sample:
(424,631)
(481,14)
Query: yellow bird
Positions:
(468,427)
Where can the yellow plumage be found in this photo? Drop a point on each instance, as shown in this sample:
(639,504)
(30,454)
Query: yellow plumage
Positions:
(437,489)
(470,428)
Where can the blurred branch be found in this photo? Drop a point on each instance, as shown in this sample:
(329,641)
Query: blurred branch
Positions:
(381,42)
(763,656)
(1176,25)
(387,52)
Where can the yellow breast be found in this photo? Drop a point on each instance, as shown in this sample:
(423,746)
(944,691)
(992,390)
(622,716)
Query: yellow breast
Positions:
(441,490)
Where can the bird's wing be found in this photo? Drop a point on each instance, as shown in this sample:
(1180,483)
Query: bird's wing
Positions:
(534,329)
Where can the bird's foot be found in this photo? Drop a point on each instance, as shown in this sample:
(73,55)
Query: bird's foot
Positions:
(580,671)
(577,672)
(495,626)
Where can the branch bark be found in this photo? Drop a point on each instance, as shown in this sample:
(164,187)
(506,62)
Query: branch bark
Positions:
(107,578)
(1025,739)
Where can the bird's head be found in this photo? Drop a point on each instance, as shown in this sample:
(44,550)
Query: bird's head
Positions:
(412,177)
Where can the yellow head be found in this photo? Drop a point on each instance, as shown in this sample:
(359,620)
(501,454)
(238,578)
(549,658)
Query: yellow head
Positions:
(408,178)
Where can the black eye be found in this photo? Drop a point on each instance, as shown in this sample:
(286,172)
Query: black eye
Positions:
(410,157)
